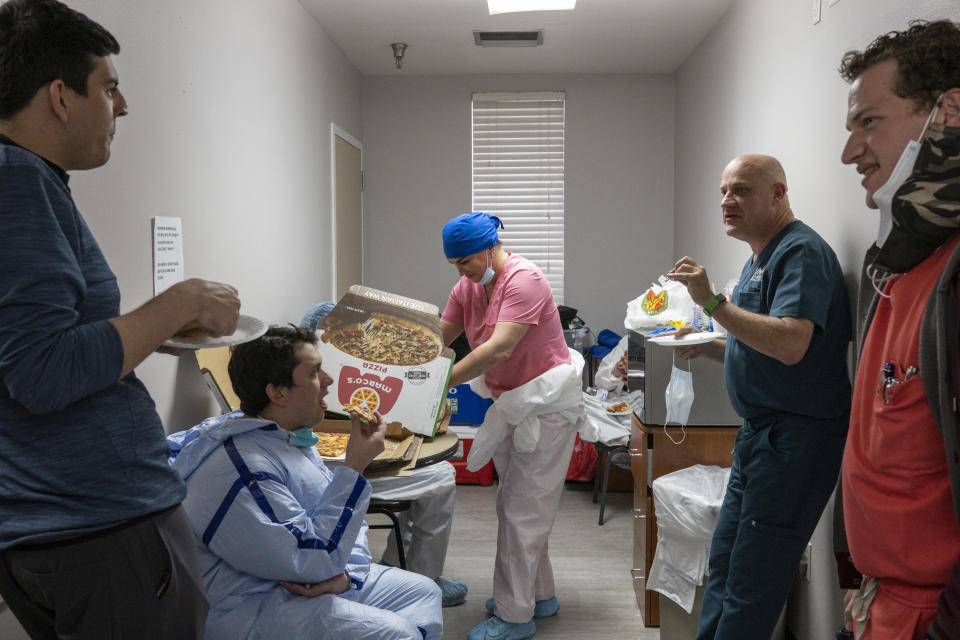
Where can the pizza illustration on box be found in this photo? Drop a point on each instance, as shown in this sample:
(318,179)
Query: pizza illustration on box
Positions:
(368,390)
(386,339)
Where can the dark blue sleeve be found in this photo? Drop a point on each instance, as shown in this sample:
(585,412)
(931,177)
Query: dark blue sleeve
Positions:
(802,283)
(56,346)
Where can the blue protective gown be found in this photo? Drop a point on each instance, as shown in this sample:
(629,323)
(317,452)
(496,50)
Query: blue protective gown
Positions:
(264,511)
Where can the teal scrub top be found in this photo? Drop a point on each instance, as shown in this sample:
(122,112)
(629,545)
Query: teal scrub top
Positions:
(796,275)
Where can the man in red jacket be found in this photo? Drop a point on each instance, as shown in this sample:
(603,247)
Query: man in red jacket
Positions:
(900,491)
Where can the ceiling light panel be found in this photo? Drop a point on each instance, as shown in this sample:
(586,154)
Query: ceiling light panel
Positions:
(515,6)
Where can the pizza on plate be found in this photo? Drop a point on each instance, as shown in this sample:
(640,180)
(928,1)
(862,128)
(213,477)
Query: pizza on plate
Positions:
(620,407)
(386,339)
(332,445)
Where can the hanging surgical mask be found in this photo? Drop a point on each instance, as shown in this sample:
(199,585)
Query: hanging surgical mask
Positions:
(487,276)
(679,397)
(919,204)
(303,437)
(883,197)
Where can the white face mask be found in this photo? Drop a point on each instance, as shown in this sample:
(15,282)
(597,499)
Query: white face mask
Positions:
(487,276)
(883,197)
(679,396)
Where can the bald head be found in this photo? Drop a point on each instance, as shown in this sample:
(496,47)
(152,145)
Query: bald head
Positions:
(755,205)
(766,169)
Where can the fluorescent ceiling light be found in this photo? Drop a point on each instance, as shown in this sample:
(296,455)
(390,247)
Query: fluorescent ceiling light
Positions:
(514,6)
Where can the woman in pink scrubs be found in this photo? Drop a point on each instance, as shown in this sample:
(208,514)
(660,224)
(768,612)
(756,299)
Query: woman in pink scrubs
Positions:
(505,305)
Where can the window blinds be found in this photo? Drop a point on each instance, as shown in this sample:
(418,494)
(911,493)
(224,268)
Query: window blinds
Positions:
(518,141)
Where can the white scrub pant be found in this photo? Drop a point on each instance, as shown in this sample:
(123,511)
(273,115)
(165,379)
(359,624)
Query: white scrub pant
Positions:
(527,501)
(426,525)
(393,605)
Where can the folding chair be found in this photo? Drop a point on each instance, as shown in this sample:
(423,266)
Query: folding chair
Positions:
(391,508)
(609,449)
(213,367)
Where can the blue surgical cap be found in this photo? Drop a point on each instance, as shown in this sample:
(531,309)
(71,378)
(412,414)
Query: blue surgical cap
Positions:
(470,233)
(316,313)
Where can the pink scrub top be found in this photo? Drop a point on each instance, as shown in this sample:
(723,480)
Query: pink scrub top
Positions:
(521,294)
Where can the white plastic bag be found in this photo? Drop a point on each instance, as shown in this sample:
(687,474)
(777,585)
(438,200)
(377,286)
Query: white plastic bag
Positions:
(688,502)
(660,305)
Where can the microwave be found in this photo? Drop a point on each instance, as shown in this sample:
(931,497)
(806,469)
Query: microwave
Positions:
(648,369)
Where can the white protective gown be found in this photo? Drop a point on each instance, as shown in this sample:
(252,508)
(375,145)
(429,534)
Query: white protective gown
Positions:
(529,431)
(264,511)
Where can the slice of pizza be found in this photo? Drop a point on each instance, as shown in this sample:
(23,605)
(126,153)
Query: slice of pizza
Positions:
(362,412)
(190,330)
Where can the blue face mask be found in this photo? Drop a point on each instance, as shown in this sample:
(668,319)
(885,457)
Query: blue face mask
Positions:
(303,437)
(487,276)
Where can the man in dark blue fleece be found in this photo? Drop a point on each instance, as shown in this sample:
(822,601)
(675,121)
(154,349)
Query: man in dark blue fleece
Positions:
(93,541)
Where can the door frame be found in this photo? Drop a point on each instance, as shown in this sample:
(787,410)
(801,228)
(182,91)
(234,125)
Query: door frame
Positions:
(337,131)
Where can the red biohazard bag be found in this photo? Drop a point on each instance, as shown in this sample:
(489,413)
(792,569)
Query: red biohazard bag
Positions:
(583,462)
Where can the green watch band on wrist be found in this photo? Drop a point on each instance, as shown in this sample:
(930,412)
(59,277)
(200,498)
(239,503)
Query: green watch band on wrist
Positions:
(713,303)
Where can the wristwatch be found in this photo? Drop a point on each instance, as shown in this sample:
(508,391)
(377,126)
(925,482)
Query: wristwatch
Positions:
(713,303)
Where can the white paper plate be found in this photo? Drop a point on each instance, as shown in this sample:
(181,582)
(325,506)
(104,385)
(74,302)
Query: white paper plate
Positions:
(248,328)
(688,340)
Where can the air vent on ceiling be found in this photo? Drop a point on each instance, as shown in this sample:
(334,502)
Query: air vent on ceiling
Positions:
(508,38)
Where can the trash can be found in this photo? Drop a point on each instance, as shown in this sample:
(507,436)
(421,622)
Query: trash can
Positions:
(687,505)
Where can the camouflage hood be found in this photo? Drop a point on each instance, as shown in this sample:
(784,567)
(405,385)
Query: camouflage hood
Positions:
(926,207)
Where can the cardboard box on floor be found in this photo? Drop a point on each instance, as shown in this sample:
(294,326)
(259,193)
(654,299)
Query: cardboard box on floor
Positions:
(411,394)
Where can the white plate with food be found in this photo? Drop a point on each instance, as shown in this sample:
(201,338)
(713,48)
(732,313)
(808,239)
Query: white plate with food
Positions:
(699,337)
(619,409)
(248,328)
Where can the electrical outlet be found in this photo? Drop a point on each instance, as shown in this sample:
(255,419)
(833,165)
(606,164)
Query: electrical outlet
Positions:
(816,11)
(804,567)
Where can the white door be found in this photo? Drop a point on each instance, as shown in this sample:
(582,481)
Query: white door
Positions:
(347,212)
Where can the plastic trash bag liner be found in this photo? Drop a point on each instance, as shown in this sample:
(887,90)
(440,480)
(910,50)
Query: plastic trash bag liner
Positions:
(687,503)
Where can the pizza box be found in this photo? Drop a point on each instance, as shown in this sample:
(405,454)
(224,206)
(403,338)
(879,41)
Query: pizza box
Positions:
(385,352)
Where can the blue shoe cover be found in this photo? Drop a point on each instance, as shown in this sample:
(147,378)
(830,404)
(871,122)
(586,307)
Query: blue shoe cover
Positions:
(454,592)
(496,629)
(542,608)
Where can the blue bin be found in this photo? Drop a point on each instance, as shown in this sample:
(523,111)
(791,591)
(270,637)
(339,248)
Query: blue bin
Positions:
(466,407)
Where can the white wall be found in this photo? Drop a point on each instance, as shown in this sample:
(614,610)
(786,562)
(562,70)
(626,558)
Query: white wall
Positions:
(619,182)
(229,128)
(765,81)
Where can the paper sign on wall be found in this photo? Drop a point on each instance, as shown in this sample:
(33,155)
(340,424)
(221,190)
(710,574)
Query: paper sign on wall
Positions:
(167,253)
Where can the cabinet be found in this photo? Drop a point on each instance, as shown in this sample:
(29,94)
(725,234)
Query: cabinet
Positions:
(652,455)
